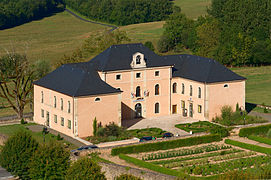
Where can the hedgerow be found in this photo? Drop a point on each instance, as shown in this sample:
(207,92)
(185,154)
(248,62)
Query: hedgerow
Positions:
(165,144)
(249,146)
(260,139)
(245,132)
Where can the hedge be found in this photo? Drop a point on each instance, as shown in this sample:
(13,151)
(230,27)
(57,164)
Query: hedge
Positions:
(164,145)
(249,146)
(245,132)
(260,139)
(153,167)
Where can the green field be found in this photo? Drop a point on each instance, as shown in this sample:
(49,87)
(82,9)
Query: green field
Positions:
(49,38)
(258,84)
(193,8)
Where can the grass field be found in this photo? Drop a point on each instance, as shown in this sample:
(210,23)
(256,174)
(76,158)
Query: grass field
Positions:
(258,84)
(193,8)
(49,38)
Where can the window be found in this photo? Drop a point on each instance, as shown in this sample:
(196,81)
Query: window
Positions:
(156,73)
(69,107)
(174,88)
(62,121)
(182,104)
(138,75)
(118,89)
(61,104)
(42,113)
(191,90)
(69,124)
(55,118)
(226,85)
(118,76)
(54,102)
(98,99)
(156,108)
(199,108)
(138,91)
(199,92)
(182,88)
(42,97)
(156,89)
(138,59)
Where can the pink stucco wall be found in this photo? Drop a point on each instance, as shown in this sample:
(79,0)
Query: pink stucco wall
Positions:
(106,110)
(48,106)
(218,96)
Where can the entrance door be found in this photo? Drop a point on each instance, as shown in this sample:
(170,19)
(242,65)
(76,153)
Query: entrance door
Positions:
(191,110)
(174,109)
(47,118)
(138,110)
(184,111)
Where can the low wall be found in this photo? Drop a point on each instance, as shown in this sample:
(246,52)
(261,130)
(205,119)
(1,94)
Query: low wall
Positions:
(114,170)
(26,116)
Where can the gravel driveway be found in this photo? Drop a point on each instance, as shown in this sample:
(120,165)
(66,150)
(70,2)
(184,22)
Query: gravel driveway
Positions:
(167,123)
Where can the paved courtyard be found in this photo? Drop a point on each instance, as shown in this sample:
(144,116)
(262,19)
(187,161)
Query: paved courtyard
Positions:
(167,123)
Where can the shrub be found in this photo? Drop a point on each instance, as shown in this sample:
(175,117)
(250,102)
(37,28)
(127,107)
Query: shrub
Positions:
(149,45)
(245,132)
(85,168)
(23,121)
(268,134)
(165,144)
(127,177)
(16,153)
(95,127)
(249,146)
(49,162)
(58,137)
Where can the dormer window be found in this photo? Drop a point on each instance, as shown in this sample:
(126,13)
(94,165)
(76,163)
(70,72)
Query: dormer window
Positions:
(138,59)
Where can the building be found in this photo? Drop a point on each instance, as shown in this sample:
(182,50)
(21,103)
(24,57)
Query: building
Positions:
(130,81)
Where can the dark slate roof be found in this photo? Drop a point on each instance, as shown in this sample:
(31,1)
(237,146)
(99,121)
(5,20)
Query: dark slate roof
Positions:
(119,57)
(79,79)
(200,69)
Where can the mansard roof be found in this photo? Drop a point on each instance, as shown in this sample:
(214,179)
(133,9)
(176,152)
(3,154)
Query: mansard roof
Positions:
(119,57)
(78,79)
(200,69)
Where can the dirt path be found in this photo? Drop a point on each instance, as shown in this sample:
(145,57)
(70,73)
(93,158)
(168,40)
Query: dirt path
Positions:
(248,141)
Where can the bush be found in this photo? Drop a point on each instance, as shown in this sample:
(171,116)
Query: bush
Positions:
(16,153)
(127,177)
(58,137)
(268,134)
(165,144)
(249,146)
(149,45)
(245,132)
(153,167)
(49,162)
(85,168)
(95,127)
(23,121)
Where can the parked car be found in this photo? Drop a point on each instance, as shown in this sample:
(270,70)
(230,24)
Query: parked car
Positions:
(76,151)
(147,138)
(167,135)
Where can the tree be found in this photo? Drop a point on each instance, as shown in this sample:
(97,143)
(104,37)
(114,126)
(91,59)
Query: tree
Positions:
(94,45)
(95,127)
(149,45)
(16,153)
(16,79)
(50,161)
(208,38)
(85,168)
(179,30)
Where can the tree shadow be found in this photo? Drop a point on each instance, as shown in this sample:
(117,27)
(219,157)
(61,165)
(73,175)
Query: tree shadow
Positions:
(250,107)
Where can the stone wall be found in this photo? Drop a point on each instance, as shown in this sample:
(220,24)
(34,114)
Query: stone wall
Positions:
(114,170)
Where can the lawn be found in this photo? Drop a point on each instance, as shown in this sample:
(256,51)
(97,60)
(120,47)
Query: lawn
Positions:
(193,8)
(9,130)
(49,38)
(258,84)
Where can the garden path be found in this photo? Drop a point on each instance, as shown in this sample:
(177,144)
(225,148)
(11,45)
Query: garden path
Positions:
(4,174)
(248,141)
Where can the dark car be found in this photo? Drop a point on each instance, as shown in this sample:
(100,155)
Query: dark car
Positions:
(167,135)
(76,151)
(147,138)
